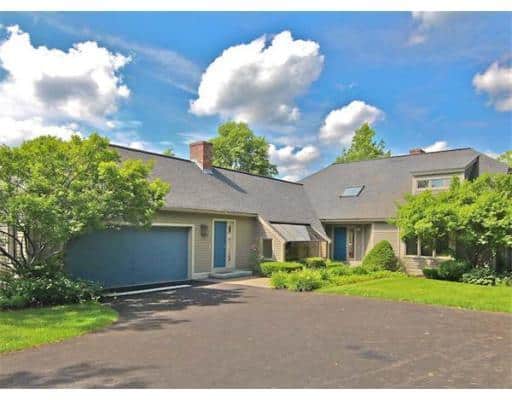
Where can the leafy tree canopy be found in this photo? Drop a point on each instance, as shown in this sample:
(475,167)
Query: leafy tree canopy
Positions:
(237,147)
(478,213)
(53,190)
(168,152)
(364,146)
(506,157)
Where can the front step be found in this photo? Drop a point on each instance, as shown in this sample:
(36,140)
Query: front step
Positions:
(239,273)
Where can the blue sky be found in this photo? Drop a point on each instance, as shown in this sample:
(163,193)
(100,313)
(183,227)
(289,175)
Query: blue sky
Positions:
(442,80)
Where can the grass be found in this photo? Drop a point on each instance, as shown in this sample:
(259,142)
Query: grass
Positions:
(34,326)
(429,291)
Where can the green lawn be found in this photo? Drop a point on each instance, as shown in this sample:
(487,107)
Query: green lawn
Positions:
(429,291)
(34,326)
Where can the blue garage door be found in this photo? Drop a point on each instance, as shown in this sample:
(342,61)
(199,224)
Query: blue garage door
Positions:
(129,257)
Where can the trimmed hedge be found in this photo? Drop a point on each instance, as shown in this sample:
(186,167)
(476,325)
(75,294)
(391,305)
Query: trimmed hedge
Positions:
(449,270)
(315,262)
(382,256)
(267,268)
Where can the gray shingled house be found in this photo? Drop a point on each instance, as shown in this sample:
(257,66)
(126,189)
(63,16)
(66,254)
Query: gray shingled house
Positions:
(217,220)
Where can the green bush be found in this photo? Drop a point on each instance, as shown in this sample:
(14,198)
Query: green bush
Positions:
(315,262)
(339,270)
(348,279)
(381,256)
(449,270)
(452,270)
(46,290)
(431,273)
(334,264)
(480,276)
(267,268)
(304,281)
(360,271)
(279,279)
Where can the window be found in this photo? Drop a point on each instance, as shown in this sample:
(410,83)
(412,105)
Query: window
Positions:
(422,184)
(350,246)
(435,183)
(411,246)
(439,183)
(442,246)
(267,248)
(426,249)
(352,191)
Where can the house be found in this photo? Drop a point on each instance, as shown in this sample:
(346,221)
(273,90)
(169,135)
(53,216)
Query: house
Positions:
(216,220)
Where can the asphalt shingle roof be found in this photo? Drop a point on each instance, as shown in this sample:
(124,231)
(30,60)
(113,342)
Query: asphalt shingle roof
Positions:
(385,182)
(228,191)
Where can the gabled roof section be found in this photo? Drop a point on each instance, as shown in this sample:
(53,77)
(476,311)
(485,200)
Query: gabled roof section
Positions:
(385,182)
(227,191)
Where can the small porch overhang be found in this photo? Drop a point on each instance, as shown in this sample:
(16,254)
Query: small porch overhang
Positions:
(296,232)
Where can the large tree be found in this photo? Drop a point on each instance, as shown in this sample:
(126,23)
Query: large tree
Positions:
(53,190)
(363,146)
(478,213)
(237,147)
(506,157)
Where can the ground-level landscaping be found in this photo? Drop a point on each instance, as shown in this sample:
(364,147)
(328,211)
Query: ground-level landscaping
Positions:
(31,327)
(427,291)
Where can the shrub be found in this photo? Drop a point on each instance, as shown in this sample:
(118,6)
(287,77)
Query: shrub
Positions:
(304,281)
(449,270)
(348,279)
(279,279)
(315,262)
(334,264)
(431,273)
(46,290)
(267,268)
(480,276)
(452,270)
(339,270)
(382,256)
(360,270)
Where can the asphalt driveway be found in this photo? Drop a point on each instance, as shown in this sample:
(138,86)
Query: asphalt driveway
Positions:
(228,336)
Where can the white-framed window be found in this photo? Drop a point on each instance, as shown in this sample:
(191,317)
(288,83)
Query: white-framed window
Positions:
(433,183)
(266,247)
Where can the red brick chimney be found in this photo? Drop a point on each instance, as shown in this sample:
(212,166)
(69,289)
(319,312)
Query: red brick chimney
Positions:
(202,154)
(416,151)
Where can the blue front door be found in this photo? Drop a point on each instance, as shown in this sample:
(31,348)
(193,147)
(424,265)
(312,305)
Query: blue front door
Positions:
(219,245)
(340,244)
(130,257)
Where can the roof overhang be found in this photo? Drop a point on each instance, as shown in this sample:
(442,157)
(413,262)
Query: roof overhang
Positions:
(296,232)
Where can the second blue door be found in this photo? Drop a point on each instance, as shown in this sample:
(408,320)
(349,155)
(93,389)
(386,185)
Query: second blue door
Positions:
(219,245)
(340,244)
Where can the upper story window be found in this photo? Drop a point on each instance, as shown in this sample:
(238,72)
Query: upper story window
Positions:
(352,191)
(433,183)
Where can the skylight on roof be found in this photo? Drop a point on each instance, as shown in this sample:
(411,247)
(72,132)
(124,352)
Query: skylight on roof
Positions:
(352,191)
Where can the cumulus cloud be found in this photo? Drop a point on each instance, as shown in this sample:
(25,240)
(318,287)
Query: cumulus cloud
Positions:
(437,146)
(292,162)
(49,90)
(425,21)
(496,82)
(340,124)
(258,82)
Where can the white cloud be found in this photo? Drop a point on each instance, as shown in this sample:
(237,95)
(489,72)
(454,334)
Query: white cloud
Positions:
(47,90)
(340,124)
(425,21)
(14,131)
(256,82)
(437,146)
(293,162)
(496,81)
